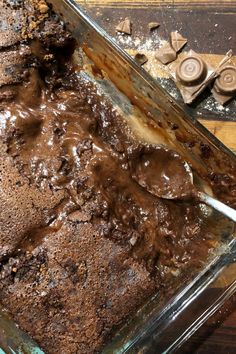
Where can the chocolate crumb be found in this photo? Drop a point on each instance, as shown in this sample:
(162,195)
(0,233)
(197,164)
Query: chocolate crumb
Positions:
(48,57)
(166,54)
(33,20)
(125,26)
(43,7)
(79,216)
(32,25)
(205,151)
(177,41)
(140,58)
(153,25)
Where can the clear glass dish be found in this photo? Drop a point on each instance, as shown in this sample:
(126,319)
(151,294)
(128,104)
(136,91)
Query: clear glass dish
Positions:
(165,322)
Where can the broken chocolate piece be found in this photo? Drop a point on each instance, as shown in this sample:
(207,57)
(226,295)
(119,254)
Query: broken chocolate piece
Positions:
(140,58)
(177,41)
(224,88)
(192,75)
(226,81)
(166,54)
(124,26)
(191,70)
(153,25)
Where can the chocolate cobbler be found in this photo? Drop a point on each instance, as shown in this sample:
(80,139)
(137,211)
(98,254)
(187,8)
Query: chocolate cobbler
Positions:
(82,244)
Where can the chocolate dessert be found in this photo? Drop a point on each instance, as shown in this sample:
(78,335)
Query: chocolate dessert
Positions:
(83,245)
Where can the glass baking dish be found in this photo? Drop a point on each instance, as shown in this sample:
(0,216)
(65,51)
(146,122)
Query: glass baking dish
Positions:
(166,321)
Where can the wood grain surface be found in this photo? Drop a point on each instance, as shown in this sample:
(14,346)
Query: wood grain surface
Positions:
(210,28)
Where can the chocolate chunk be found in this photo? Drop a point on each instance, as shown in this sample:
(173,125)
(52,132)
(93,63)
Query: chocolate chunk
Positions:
(153,25)
(193,75)
(124,26)
(226,81)
(191,70)
(177,41)
(140,58)
(224,88)
(166,54)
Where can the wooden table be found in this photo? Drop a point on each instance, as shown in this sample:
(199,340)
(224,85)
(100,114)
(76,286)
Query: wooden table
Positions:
(210,28)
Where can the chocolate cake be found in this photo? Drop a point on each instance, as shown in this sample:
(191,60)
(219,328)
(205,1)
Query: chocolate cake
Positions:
(83,245)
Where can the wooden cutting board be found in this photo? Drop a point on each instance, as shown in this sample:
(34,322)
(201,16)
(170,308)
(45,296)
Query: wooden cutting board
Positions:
(210,27)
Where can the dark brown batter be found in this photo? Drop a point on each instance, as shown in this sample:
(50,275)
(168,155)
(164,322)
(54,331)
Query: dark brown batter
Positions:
(83,245)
